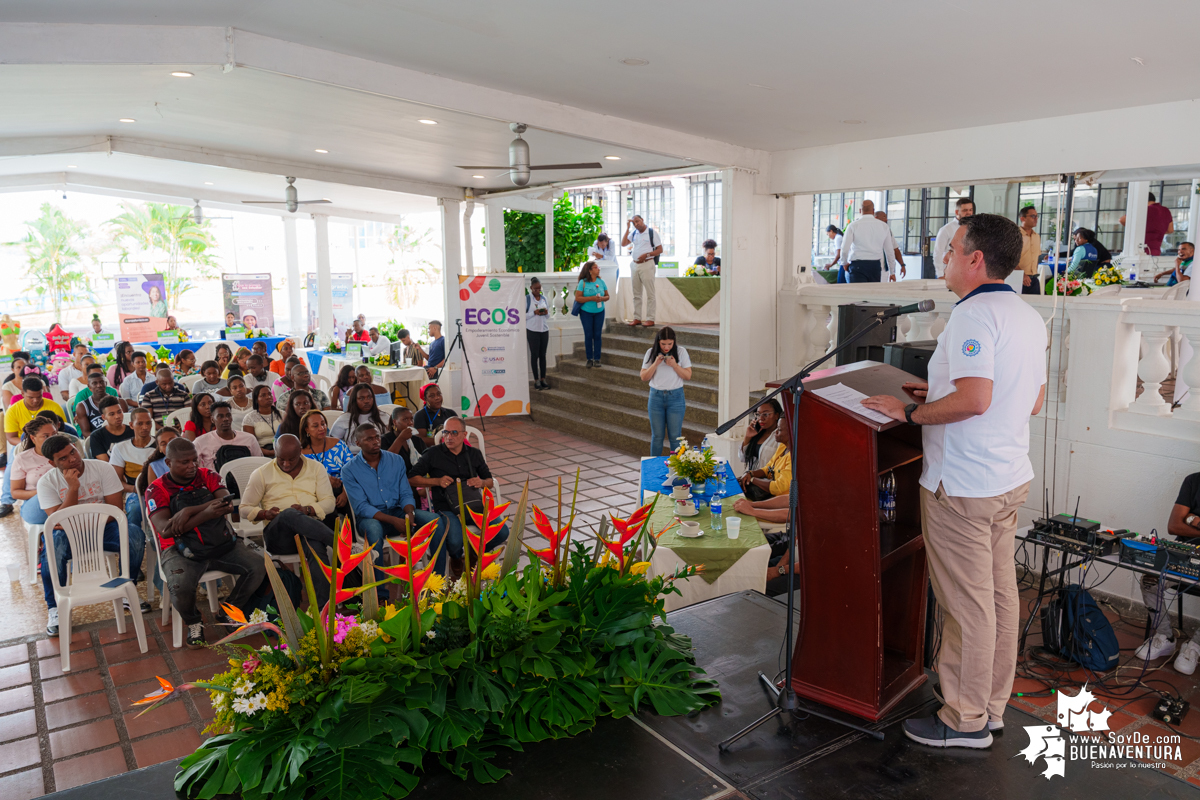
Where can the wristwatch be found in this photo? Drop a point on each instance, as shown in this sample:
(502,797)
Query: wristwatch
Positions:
(908,412)
(1191,519)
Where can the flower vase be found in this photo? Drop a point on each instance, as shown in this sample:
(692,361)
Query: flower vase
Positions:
(710,486)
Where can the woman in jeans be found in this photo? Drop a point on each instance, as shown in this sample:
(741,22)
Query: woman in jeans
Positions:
(665,367)
(592,293)
(537,332)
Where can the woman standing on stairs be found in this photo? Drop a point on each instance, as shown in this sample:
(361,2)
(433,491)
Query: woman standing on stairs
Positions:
(591,293)
(537,332)
(665,367)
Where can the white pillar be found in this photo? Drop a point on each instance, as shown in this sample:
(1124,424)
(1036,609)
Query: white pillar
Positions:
(1193,212)
(549,239)
(495,236)
(683,218)
(325,330)
(299,326)
(1135,222)
(802,246)
(468,253)
(451,269)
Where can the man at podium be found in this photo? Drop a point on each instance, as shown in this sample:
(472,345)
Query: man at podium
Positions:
(986,378)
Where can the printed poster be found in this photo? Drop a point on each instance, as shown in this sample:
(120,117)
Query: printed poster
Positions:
(343,317)
(141,306)
(493,333)
(248,301)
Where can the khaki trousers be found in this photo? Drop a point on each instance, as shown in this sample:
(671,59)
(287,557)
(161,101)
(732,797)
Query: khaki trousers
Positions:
(643,277)
(969,547)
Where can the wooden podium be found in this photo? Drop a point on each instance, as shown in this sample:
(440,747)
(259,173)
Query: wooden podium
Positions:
(864,581)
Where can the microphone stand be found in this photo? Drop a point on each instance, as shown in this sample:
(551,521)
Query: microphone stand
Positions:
(785,697)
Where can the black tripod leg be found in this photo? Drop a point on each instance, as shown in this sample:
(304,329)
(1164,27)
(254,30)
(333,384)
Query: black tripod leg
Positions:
(724,746)
(1038,604)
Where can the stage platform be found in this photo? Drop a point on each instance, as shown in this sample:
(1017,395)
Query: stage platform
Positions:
(676,758)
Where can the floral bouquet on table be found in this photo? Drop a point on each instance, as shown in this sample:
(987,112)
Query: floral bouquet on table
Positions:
(381,360)
(1069,285)
(333,346)
(1108,276)
(353,700)
(695,465)
(696,271)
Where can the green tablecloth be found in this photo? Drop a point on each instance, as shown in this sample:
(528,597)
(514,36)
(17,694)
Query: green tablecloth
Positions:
(714,549)
(830,275)
(698,291)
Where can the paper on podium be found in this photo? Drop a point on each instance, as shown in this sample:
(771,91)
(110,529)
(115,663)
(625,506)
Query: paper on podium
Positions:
(846,397)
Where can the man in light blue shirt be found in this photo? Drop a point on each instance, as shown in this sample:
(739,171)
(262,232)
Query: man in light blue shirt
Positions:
(376,483)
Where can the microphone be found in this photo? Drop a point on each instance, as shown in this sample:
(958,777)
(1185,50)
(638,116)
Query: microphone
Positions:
(922,306)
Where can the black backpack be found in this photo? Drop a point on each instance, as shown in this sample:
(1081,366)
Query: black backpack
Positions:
(229,452)
(1074,627)
(213,539)
(653,233)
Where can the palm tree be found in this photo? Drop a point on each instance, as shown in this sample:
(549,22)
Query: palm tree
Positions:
(169,230)
(52,246)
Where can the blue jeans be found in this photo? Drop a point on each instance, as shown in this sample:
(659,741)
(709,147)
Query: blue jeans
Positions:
(31,511)
(593,326)
(666,417)
(451,529)
(112,544)
(133,512)
(6,487)
(842,277)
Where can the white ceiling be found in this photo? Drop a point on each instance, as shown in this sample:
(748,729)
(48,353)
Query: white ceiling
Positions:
(901,67)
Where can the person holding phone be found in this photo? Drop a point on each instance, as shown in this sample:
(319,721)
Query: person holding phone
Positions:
(591,293)
(537,332)
(759,431)
(665,367)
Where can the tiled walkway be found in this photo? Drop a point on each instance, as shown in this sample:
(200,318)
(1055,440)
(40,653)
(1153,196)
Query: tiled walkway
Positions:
(57,732)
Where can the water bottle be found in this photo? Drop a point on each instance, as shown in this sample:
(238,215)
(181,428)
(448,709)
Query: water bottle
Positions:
(1133,272)
(714,508)
(887,497)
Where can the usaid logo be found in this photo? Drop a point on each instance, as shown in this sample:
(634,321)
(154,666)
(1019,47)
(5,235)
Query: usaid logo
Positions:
(491,316)
(493,359)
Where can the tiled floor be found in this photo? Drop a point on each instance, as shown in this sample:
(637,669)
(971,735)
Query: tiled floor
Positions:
(61,731)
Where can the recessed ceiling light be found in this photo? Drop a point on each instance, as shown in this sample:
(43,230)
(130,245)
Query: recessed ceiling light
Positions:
(476,176)
(181,74)
(126,119)
(208,183)
(427,121)
(71,166)
(612,158)
(634,62)
(319,150)
(852,122)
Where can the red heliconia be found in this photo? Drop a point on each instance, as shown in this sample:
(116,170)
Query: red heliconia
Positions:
(347,562)
(421,540)
(489,523)
(545,528)
(419,578)
(626,530)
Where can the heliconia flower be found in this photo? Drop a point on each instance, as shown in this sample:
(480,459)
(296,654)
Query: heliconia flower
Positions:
(420,542)
(626,529)
(545,528)
(489,524)
(419,577)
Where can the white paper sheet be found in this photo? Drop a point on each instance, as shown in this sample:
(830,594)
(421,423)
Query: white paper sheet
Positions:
(846,397)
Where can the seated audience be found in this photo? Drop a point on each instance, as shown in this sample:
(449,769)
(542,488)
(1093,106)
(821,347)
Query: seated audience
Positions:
(77,387)
(773,478)
(332,453)
(258,375)
(1182,271)
(363,377)
(165,396)
(430,419)
(70,431)
(438,468)
(237,394)
(16,417)
(299,403)
(357,333)
(286,348)
(122,367)
(131,388)
(187,509)
(156,465)
(28,465)
(380,494)
(341,387)
(362,409)
(1089,254)
(11,386)
(211,381)
(403,438)
(200,421)
(224,444)
(72,371)
(87,408)
(284,381)
(223,356)
(1159,596)
(112,431)
(303,379)
(759,432)
(263,420)
(128,458)
(241,359)
(380,344)
(74,481)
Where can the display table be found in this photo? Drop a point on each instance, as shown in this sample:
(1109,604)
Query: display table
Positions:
(408,379)
(206,349)
(676,300)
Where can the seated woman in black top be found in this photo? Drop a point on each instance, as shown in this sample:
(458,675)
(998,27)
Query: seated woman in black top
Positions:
(433,416)
(710,260)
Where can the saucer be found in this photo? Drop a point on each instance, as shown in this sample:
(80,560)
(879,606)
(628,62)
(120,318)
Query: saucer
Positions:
(692,513)
(684,533)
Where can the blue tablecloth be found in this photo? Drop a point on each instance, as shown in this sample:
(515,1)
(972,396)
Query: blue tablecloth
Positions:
(654,472)
(314,361)
(271,341)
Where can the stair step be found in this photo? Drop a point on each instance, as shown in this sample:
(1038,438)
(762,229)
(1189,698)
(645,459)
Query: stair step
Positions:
(629,378)
(701,355)
(614,404)
(700,337)
(635,441)
(624,359)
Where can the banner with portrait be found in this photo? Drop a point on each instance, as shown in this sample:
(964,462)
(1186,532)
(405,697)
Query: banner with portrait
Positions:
(493,330)
(141,306)
(343,294)
(248,302)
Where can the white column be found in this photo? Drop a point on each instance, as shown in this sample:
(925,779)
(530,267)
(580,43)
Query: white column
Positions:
(299,325)
(451,269)
(1193,212)
(325,330)
(683,222)
(549,240)
(494,225)
(802,245)
(1135,221)
(468,251)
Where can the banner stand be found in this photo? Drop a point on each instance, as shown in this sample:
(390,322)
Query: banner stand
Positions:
(493,332)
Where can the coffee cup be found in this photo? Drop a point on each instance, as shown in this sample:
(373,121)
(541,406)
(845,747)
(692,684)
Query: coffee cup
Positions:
(685,507)
(680,493)
(689,529)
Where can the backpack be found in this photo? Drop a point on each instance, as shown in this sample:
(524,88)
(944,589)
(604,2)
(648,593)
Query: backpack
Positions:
(1074,627)
(229,452)
(213,539)
(652,244)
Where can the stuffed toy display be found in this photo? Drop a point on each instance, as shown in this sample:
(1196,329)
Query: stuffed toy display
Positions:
(10,334)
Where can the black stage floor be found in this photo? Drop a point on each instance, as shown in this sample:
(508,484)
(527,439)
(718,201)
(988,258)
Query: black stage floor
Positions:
(675,758)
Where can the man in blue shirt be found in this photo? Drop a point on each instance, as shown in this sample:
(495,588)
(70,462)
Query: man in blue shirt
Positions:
(437,350)
(376,482)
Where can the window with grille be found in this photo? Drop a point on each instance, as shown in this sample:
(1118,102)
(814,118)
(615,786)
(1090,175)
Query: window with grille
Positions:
(1100,208)
(705,211)
(832,208)
(903,208)
(655,203)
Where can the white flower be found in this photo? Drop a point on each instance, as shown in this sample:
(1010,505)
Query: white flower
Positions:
(430,634)
(243,688)
(370,629)
(242,705)
(258,702)
(258,616)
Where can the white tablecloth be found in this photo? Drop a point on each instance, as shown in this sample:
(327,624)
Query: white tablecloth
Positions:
(410,378)
(750,572)
(672,308)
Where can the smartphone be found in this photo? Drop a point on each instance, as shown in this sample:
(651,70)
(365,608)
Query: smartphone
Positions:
(233,501)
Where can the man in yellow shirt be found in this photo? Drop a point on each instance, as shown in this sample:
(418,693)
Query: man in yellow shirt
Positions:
(15,418)
(1031,251)
(773,479)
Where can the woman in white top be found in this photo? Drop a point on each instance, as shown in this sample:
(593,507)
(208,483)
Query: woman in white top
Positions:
(537,332)
(211,381)
(603,252)
(28,465)
(239,400)
(264,420)
(835,233)
(665,367)
(361,409)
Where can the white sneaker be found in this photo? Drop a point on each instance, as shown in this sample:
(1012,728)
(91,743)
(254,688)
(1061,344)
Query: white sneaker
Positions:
(1155,648)
(1189,654)
(52,626)
(995,724)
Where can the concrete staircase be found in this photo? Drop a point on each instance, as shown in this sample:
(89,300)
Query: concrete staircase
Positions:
(608,405)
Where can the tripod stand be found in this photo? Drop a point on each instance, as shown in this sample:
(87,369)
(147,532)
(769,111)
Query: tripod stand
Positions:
(458,341)
(785,697)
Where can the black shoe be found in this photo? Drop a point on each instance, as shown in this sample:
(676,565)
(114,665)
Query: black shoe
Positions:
(933,732)
(147,608)
(596,363)
(195,636)
(589,366)
(7,508)
(545,385)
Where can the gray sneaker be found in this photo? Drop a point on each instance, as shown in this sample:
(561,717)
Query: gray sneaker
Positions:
(933,732)
(52,622)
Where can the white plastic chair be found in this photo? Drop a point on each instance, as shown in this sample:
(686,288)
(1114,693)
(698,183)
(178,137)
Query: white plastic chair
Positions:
(188,381)
(386,409)
(84,527)
(177,418)
(474,436)
(33,531)
(323,383)
(331,417)
(241,469)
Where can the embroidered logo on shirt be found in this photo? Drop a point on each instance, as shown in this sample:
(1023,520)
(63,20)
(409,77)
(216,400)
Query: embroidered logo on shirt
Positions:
(151,505)
(971,347)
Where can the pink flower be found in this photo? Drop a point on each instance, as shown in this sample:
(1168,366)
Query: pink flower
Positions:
(250,664)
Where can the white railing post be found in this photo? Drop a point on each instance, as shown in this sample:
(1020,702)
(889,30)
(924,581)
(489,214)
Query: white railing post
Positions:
(1189,374)
(1153,369)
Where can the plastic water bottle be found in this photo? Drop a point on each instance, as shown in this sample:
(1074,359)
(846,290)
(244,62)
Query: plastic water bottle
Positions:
(1133,273)
(714,508)
(887,497)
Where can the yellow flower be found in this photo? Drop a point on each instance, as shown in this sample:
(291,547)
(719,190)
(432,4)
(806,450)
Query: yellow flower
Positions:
(437,608)
(639,568)
(491,572)
(389,611)
(435,584)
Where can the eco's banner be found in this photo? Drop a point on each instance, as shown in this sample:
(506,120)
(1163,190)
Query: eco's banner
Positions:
(343,290)
(248,301)
(493,330)
(141,306)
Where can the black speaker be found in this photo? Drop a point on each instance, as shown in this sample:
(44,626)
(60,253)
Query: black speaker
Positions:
(912,357)
(870,347)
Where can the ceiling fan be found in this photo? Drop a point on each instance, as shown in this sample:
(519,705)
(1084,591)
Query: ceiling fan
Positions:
(518,159)
(289,200)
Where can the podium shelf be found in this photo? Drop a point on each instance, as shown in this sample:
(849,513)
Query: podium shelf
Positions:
(894,453)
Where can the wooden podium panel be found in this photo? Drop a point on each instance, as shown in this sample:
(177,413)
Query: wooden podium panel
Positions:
(863,581)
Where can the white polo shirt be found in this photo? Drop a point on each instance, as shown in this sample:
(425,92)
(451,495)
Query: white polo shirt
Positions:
(643,242)
(994,334)
(942,244)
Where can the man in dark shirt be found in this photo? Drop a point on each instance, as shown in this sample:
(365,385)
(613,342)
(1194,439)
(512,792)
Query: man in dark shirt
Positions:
(403,439)
(438,468)
(164,395)
(88,416)
(1159,597)
(1159,222)
(437,349)
(112,431)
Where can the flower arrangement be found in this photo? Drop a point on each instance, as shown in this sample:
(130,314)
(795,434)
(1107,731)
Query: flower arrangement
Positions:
(333,346)
(354,702)
(697,271)
(695,465)
(1069,285)
(381,360)
(1108,276)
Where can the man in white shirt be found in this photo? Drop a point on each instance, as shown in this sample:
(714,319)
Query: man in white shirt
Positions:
(963,208)
(208,444)
(647,246)
(379,344)
(140,378)
(72,371)
(867,243)
(986,378)
(882,217)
